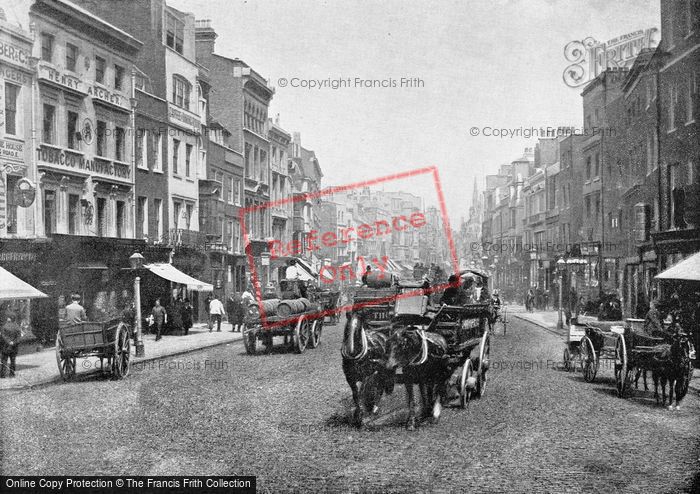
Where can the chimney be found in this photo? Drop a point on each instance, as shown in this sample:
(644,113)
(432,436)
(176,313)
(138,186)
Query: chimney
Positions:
(205,37)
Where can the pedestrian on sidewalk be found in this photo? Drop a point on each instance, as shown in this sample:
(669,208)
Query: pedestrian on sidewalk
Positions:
(237,313)
(216,310)
(160,317)
(545,299)
(9,345)
(176,320)
(207,303)
(187,316)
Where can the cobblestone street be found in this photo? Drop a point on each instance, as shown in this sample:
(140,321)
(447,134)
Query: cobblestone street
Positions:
(285,418)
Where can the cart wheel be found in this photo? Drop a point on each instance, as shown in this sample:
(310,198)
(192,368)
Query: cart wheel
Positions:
(66,364)
(301,335)
(316,328)
(121,360)
(589,360)
(250,340)
(621,366)
(567,359)
(484,353)
(467,384)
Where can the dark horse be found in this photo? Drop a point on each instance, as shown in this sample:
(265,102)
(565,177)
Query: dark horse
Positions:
(419,354)
(671,367)
(363,354)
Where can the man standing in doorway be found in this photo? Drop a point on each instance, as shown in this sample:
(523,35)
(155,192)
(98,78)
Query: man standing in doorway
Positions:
(216,310)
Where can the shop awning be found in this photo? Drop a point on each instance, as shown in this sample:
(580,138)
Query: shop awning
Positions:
(171,273)
(12,288)
(686,270)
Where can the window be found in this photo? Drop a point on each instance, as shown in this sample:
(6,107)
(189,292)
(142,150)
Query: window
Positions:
(675,181)
(141,150)
(673,98)
(11,97)
(142,217)
(248,167)
(588,168)
(188,215)
(588,206)
(692,94)
(49,211)
(73,213)
(47,47)
(597,206)
(121,209)
(101,138)
(188,157)
(72,129)
(181,92)
(101,216)
(229,192)
(158,143)
(174,33)
(11,204)
(100,64)
(176,151)
(71,57)
(238,192)
(49,124)
(158,206)
(597,165)
(118,77)
(177,210)
(119,143)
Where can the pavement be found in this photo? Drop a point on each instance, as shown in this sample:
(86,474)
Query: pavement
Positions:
(548,320)
(38,368)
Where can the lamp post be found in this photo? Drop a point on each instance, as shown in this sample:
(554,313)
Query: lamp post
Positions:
(136,261)
(561,267)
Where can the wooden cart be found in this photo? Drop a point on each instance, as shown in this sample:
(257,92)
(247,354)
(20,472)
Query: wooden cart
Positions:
(106,340)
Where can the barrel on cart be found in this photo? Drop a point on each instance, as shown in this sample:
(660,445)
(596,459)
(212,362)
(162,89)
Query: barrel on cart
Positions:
(107,340)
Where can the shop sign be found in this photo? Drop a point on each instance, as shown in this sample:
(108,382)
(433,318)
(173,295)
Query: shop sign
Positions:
(59,157)
(14,54)
(108,96)
(48,73)
(17,256)
(183,119)
(11,150)
(12,75)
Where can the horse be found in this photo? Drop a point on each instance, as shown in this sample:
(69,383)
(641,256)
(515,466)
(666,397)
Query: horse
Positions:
(363,352)
(419,354)
(671,367)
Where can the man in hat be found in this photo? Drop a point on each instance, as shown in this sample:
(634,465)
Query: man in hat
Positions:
(9,345)
(75,312)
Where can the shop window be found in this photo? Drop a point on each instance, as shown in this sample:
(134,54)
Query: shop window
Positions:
(118,77)
(73,213)
(49,124)
(101,138)
(72,130)
(101,216)
(47,47)
(49,211)
(121,209)
(71,57)
(11,204)
(188,159)
(119,144)
(11,97)
(100,64)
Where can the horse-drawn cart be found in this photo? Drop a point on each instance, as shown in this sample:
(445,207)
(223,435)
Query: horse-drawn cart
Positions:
(297,320)
(106,340)
(597,342)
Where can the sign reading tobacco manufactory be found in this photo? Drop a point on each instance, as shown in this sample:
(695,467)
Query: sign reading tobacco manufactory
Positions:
(69,160)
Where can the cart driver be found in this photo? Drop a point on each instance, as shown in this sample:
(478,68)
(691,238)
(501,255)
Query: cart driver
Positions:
(652,322)
(75,312)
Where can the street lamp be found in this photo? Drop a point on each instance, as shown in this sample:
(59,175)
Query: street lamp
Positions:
(136,261)
(561,267)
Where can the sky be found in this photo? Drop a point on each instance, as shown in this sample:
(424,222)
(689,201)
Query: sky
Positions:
(482,63)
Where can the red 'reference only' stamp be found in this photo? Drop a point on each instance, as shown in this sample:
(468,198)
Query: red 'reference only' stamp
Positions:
(316,239)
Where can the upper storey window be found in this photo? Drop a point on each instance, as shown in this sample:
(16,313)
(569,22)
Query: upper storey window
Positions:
(174,33)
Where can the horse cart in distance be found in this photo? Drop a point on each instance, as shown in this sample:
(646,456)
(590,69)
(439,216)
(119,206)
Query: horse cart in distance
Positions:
(327,301)
(297,320)
(106,340)
(596,342)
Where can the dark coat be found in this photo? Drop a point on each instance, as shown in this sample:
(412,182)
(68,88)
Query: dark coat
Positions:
(9,338)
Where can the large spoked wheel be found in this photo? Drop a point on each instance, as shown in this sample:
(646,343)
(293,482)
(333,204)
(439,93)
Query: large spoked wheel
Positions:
(66,363)
(467,384)
(250,340)
(589,360)
(316,328)
(484,354)
(621,364)
(121,361)
(302,334)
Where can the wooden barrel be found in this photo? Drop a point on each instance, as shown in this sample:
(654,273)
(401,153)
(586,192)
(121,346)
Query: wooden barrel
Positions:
(269,307)
(289,307)
(377,279)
